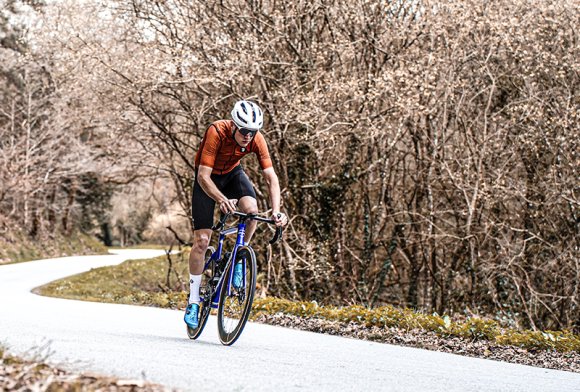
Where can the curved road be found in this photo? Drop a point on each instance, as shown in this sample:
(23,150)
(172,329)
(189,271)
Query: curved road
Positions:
(134,342)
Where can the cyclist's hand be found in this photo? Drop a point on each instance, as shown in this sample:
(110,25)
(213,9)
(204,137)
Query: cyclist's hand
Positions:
(228,205)
(280,218)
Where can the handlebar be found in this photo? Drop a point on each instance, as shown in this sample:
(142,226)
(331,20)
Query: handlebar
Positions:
(243,217)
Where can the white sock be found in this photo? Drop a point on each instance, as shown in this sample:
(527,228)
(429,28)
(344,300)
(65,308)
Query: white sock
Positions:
(194,283)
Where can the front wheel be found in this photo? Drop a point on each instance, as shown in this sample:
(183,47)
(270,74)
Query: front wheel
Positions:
(206,291)
(236,303)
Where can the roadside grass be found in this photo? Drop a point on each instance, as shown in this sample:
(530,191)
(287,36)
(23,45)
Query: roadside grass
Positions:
(134,282)
(18,248)
(152,283)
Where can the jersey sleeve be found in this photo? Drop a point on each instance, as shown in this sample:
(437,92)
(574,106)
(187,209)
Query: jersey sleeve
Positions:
(262,152)
(210,147)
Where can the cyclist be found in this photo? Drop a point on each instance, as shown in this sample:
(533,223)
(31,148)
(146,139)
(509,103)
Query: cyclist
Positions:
(220,178)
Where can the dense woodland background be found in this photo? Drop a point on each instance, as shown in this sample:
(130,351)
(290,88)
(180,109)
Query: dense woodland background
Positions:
(428,151)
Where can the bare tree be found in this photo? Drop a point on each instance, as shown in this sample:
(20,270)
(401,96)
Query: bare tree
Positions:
(427,150)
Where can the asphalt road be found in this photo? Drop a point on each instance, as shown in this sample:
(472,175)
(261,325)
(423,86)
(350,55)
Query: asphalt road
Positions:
(134,342)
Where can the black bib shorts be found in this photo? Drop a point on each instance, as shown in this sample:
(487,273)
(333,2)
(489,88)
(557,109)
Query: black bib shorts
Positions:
(234,185)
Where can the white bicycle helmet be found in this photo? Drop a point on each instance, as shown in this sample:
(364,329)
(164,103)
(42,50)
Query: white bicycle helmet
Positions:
(247,115)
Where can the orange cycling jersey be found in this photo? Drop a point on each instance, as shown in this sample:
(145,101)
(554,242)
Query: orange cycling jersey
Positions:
(220,151)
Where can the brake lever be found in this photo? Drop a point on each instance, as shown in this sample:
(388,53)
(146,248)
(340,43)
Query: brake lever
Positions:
(277,235)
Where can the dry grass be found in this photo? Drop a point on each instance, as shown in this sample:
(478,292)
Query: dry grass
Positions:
(25,375)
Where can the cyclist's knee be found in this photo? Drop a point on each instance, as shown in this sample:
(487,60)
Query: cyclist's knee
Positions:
(200,242)
(248,205)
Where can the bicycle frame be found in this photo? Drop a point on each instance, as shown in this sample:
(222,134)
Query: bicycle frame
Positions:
(229,299)
(240,230)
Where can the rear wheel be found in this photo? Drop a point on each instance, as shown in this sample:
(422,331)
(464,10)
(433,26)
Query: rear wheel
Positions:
(205,294)
(235,304)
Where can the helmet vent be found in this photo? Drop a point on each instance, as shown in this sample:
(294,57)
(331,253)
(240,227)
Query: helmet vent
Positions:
(241,119)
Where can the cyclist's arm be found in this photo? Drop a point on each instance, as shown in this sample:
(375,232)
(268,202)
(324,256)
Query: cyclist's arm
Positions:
(209,187)
(271,179)
(273,189)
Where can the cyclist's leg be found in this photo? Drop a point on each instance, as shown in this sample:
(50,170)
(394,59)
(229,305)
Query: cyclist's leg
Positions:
(249,205)
(201,239)
(202,207)
(196,263)
(240,187)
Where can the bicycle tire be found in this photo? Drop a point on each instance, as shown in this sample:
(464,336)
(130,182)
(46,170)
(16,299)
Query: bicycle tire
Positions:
(234,310)
(206,292)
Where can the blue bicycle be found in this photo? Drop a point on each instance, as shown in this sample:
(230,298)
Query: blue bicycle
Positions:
(217,290)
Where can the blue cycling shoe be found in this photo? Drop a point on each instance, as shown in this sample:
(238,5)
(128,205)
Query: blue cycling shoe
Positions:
(191,317)
(238,275)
